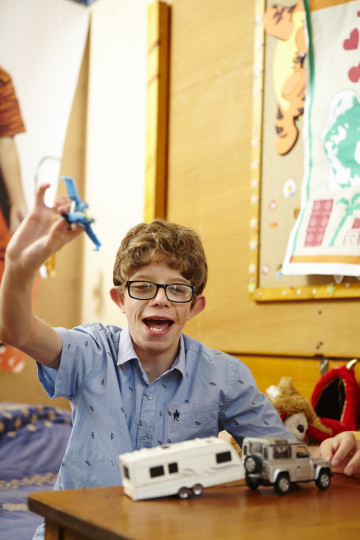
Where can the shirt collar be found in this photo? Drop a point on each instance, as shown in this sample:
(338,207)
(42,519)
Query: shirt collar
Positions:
(127,351)
(126,347)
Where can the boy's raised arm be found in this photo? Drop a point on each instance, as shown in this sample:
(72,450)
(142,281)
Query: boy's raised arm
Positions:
(38,237)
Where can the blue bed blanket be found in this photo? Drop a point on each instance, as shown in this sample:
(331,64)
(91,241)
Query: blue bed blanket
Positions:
(33,439)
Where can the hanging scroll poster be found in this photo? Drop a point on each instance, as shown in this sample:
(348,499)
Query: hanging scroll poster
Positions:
(325,239)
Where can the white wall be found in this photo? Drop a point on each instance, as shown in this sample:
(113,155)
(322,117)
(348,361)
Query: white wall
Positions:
(42,44)
(115,162)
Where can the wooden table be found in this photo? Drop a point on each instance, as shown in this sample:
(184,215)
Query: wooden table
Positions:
(231,512)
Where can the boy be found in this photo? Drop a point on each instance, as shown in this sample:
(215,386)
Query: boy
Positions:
(142,386)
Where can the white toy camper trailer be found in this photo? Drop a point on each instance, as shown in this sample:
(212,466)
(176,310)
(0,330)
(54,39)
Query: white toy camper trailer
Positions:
(179,468)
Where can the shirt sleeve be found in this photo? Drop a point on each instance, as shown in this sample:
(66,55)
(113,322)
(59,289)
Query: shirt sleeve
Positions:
(249,412)
(82,355)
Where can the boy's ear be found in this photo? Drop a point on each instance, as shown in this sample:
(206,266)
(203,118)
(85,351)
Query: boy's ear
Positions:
(198,307)
(118,297)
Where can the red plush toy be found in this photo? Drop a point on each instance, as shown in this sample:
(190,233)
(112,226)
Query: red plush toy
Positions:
(336,399)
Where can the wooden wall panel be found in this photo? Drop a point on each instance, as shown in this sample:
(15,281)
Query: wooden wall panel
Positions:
(209,188)
(157,100)
(305,372)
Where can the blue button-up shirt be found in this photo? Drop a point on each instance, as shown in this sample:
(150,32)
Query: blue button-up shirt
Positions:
(116,409)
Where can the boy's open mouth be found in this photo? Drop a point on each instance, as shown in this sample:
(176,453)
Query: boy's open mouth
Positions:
(155,323)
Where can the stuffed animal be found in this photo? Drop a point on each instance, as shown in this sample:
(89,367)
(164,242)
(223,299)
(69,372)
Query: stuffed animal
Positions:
(297,412)
(336,398)
(334,406)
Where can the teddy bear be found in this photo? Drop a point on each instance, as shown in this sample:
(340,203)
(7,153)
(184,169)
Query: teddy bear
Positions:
(297,413)
(334,406)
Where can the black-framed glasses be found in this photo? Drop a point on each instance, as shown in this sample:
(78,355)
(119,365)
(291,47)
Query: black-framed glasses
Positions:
(147,290)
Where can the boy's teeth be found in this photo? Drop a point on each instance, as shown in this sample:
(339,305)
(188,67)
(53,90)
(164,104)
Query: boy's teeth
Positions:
(157,324)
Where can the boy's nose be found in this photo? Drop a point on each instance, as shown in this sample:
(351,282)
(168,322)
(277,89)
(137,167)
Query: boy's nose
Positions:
(160,297)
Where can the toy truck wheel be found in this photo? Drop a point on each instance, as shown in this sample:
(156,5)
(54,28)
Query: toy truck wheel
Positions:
(197,490)
(282,484)
(324,479)
(183,493)
(252,483)
(252,464)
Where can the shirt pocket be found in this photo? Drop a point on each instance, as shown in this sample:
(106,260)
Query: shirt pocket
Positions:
(188,421)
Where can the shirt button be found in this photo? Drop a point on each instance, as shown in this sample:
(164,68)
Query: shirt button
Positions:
(149,396)
(144,436)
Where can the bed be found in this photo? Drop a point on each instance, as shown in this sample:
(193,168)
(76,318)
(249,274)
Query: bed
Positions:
(32,443)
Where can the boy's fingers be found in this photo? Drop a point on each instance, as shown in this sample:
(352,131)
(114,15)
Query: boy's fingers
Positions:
(64,231)
(40,193)
(328,449)
(327,455)
(63,208)
(353,466)
(341,452)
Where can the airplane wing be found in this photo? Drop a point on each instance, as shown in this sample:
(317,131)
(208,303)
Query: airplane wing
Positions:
(73,194)
(78,216)
(92,236)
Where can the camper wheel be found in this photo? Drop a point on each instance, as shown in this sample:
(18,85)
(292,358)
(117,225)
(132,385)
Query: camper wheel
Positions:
(197,490)
(183,493)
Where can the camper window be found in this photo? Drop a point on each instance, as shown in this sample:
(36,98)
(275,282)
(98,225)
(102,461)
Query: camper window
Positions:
(222,457)
(173,468)
(156,471)
(126,472)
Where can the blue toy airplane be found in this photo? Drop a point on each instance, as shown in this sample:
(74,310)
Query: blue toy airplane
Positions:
(77,212)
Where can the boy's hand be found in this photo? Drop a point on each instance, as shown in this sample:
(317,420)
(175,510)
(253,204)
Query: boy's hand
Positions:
(343,451)
(17,214)
(40,234)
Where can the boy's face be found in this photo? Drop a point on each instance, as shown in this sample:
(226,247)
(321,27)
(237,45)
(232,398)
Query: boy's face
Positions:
(155,325)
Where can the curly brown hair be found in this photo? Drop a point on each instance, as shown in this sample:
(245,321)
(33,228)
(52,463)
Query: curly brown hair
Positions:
(162,241)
